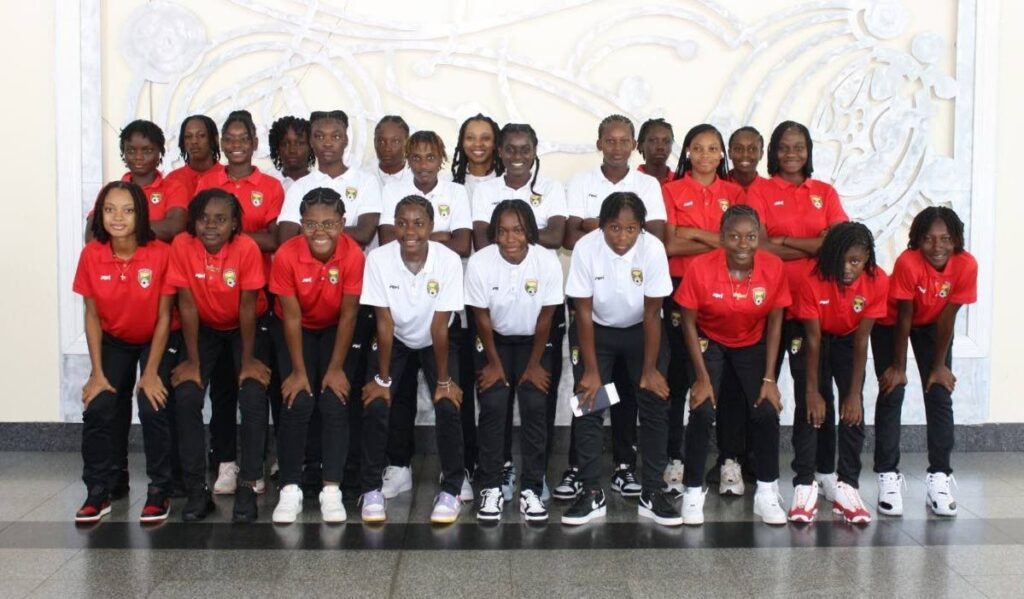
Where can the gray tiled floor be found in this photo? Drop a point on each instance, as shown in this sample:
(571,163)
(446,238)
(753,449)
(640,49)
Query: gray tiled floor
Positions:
(980,554)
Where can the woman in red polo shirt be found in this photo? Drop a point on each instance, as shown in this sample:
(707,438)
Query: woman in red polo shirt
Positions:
(732,300)
(125,266)
(746,148)
(654,142)
(933,278)
(317,279)
(199,145)
(219,277)
(695,202)
(838,302)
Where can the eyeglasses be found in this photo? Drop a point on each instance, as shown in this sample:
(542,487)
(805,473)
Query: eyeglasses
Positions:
(327,226)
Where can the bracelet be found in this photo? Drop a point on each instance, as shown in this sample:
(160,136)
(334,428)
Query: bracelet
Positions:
(445,384)
(386,383)
(767,380)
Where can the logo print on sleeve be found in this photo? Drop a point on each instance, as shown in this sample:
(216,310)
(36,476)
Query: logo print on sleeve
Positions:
(256,198)
(351,193)
(637,275)
(145,277)
(229,278)
(816,202)
(535,199)
(433,287)
(858,303)
(155,197)
(759,294)
(531,286)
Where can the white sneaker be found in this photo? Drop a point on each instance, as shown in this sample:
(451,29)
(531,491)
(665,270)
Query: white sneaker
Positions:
(260,487)
(693,506)
(373,506)
(940,499)
(805,503)
(492,502)
(890,493)
(289,505)
(446,508)
(532,507)
(397,479)
(768,503)
(227,479)
(674,476)
(331,508)
(466,494)
(731,481)
(849,505)
(827,484)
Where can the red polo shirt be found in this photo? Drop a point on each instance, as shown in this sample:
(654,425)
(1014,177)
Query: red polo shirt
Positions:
(127,293)
(733,314)
(188,177)
(217,280)
(841,310)
(319,286)
(163,194)
(695,206)
(914,278)
(261,195)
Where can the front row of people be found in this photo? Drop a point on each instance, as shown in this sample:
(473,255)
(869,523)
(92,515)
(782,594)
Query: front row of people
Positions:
(736,302)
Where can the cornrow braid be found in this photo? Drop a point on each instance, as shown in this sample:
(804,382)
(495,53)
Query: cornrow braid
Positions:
(927,217)
(512,128)
(522,211)
(840,238)
(686,165)
(324,196)
(647,127)
(460,161)
(415,200)
(394,119)
(618,201)
(279,129)
(738,211)
(747,129)
(616,118)
(240,116)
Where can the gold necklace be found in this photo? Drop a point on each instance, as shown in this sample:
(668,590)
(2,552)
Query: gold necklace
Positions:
(736,293)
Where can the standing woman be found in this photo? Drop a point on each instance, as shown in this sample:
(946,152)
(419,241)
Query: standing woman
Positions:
(316,279)
(732,300)
(654,142)
(514,287)
(219,276)
(475,158)
(289,149)
(414,285)
(746,148)
(389,137)
(695,202)
(933,278)
(838,303)
(125,266)
(797,211)
(517,149)
(199,144)
(618,279)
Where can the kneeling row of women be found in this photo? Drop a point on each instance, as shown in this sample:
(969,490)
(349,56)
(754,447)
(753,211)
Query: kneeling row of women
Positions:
(620,282)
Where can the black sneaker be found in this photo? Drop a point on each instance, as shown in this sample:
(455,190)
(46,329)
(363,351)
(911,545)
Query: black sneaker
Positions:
(570,487)
(198,505)
(624,481)
(657,506)
(245,504)
(157,508)
(97,505)
(121,488)
(588,506)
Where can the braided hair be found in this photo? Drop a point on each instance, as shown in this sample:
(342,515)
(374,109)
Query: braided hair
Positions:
(415,200)
(686,165)
(738,211)
(773,147)
(278,131)
(148,130)
(460,161)
(522,211)
(240,116)
(513,128)
(618,201)
(322,196)
(747,129)
(616,118)
(927,217)
(211,136)
(831,259)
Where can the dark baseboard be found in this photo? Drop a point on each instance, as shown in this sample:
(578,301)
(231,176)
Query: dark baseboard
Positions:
(61,436)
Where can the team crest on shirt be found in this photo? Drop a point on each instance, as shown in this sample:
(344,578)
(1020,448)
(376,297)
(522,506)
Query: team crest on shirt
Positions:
(433,287)
(155,197)
(479,345)
(723,203)
(256,198)
(946,288)
(795,345)
(858,303)
(531,286)
(676,316)
(574,355)
(816,202)
(332,275)
(759,294)
(230,279)
(535,199)
(444,210)
(638,276)
(703,343)
(145,277)
(351,193)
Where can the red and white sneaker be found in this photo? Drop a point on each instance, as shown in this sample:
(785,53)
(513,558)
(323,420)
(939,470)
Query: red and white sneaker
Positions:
(157,507)
(849,505)
(805,503)
(95,507)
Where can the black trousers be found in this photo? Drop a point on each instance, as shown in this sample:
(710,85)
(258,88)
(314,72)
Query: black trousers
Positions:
(626,348)
(448,423)
(495,402)
(680,374)
(748,364)
(102,441)
(555,339)
(938,402)
(465,338)
(252,399)
(293,429)
(815,449)
(223,412)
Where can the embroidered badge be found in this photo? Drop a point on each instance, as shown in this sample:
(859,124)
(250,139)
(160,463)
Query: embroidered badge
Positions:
(229,278)
(638,276)
(145,277)
(531,286)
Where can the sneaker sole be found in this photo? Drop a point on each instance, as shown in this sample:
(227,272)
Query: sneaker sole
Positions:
(334,519)
(694,522)
(152,519)
(803,518)
(732,490)
(889,511)
(933,508)
(534,517)
(277,520)
(598,513)
(644,512)
(855,518)
(488,517)
(565,496)
(781,522)
(444,519)
(374,519)
(96,518)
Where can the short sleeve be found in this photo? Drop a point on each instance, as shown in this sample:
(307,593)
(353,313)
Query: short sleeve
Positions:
(450,297)
(475,287)
(580,282)
(83,281)
(481,204)
(355,264)
(805,304)
(833,207)
(165,286)
(461,218)
(650,193)
(389,199)
(369,196)
(783,295)
(575,198)
(880,298)
(275,201)
(657,281)
(251,264)
(552,278)
(901,284)
(292,201)
(966,290)
(689,293)
(555,200)
(374,292)
(177,267)
(282,277)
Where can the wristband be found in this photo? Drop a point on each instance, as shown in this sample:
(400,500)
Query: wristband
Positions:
(445,384)
(767,380)
(386,383)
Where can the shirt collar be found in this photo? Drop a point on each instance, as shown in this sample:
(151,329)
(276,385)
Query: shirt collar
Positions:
(127,177)
(428,266)
(628,256)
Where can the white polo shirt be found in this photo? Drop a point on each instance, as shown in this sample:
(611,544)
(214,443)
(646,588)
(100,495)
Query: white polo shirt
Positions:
(514,293)
(385,178)
(286,181)
(413,298)
(618,284)
(547,199)
(451,205)
(588,190)
(359,190)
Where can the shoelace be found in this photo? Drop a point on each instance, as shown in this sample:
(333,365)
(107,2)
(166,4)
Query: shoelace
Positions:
(945,489)
(629,478)
(806,502)
(533,503)
(854,498)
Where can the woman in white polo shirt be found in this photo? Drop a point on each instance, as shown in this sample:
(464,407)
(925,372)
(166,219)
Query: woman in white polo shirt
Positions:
(414,284)
(618,279)
(514,287)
